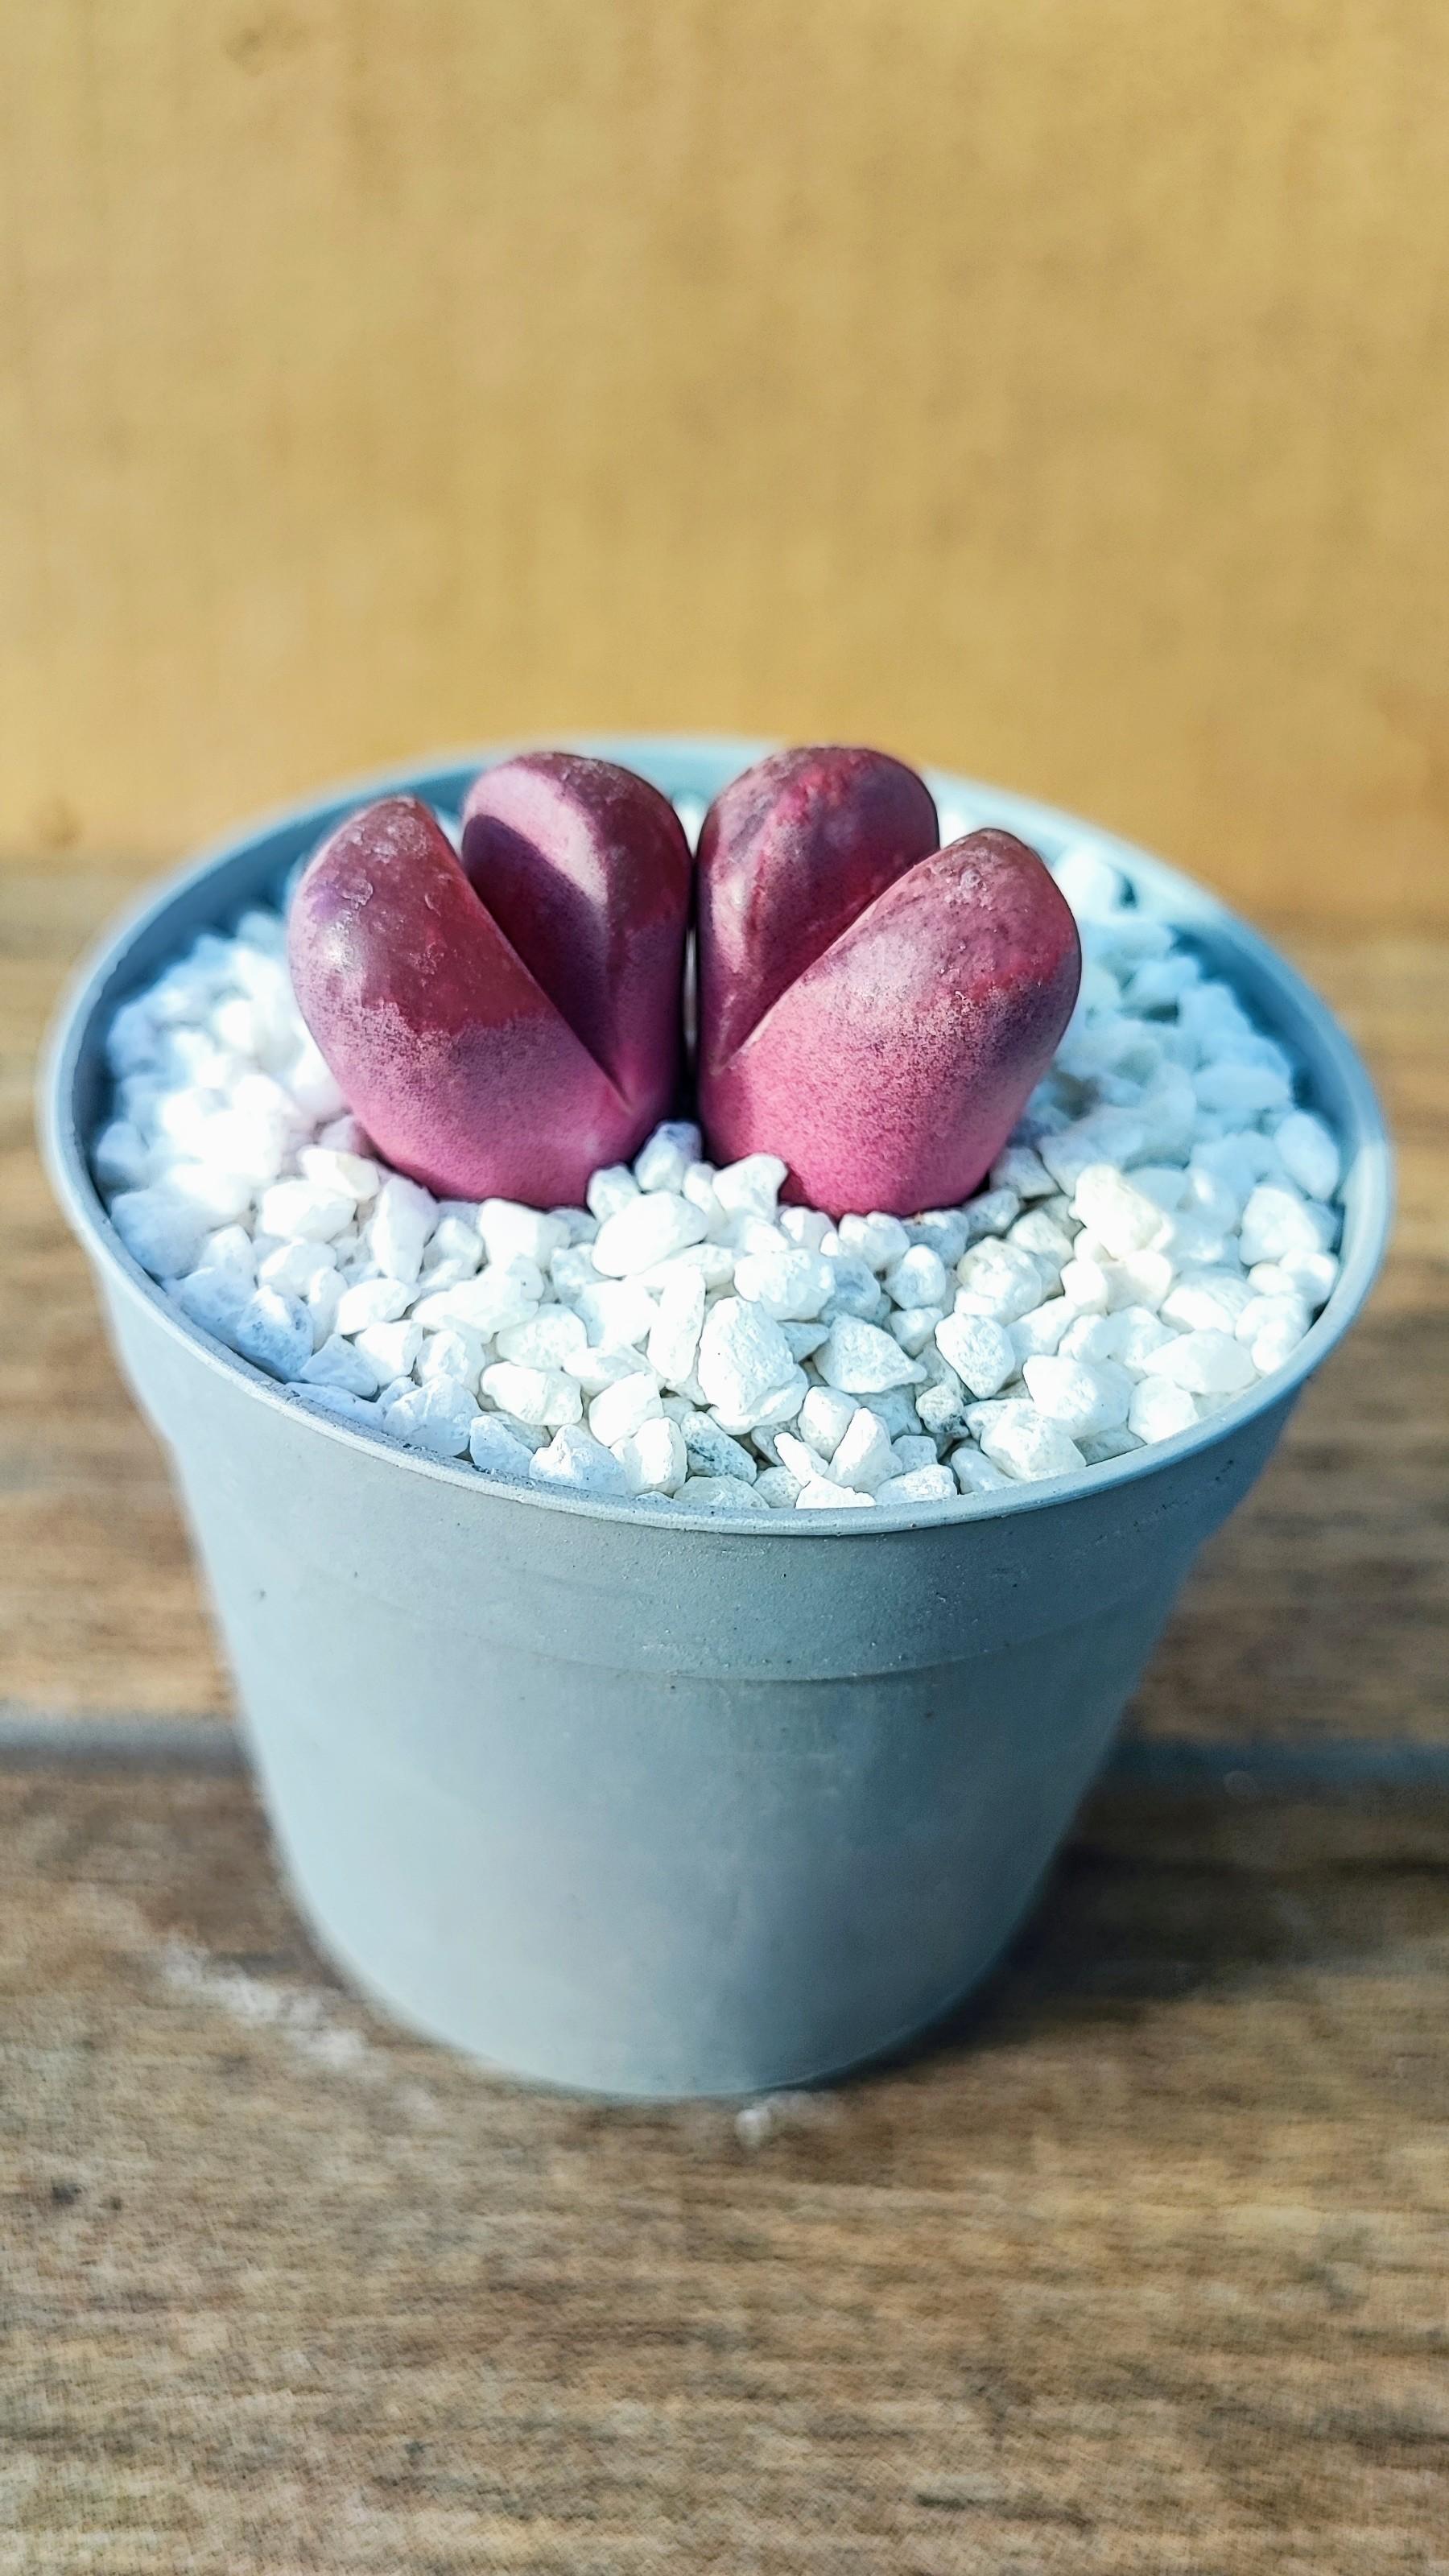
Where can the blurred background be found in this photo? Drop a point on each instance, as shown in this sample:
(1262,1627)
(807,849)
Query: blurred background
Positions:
(1058,393)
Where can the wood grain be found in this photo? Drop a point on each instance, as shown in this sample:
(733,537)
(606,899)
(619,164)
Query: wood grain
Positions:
(1055,392)
(1323,1608)
(1145,2272)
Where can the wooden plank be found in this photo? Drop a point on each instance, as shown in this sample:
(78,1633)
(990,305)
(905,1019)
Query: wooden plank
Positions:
(1321,1609)
(1144,2269)
(1055,392)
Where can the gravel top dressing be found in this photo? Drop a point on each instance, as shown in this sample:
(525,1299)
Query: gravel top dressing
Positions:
(1155,1239)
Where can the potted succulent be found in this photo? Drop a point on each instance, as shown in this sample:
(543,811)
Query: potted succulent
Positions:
(578,1758)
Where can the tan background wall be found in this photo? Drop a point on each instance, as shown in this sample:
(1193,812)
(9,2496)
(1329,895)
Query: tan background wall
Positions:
(1059,388)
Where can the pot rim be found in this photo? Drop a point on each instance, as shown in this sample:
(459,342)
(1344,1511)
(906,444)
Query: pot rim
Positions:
(1189,906)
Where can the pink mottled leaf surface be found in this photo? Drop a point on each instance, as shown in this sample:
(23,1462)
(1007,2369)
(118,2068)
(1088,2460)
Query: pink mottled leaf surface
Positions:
(502,1023)
(873,1008)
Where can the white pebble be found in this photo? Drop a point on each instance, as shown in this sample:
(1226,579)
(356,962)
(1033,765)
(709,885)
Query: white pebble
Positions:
(1138,1279)
(1159,1409)
(792,1285)
(664,1161)
(654,1457)
(745,1365)
(764,1416)
(1027,1447)
(1308,1153)
(777,1487)
(946,1231)
(942,1410)
(392,1348)
(879,1241)
(274,1332)
(1083,1398)
(711,1452)
(398,1230)
(322,1298)
(855,1289)
(609,1190)
(896,1406)
(805,1227)
(798,1458)
(1140,1332)
(1272,1328)
(214,1300)
(1207,1363)
(453,1354)
(825,1416)
(860,1359)
(543,1396)
(714,1263)
(1097,1139)
(981,1352)
(820,1495)
(497,1451)
(1242,1090)
(514,1233)
(1211,1300)
(863,1455)
(370,1301)
(296,1265)
(618,1313)
(552,1339)
(999,1280)
(751,1187)
(575,1459)
(230,1248)
(1093,887)
(646,1229)
(218,1196)
(991,1213)
(328,1167)
(1098,1446)
(438,1416)
(159,1230)
(122,1158)
(673,1340)
(596,1369)
(1313,1276)
(340,1363)
(1086,1286)
(913,1327)
(1122,1217)
(806,1339)
(917,1485)
(506,1293)
(1278,1223)
(621,1408)
(975,1473)
(1040,1330)
(572,1270)
(1022,1171)
(1039,1233)
(919,1278)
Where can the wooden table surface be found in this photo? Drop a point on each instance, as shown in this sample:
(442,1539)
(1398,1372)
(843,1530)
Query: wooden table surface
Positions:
(1144,2268)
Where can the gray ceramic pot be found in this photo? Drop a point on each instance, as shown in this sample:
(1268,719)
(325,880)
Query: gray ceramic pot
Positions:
(645,1802)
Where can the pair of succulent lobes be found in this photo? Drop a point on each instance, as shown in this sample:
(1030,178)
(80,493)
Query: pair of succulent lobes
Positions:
(872,1008)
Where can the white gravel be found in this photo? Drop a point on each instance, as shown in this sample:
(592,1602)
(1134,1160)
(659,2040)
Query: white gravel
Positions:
(1155,1240)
